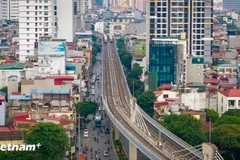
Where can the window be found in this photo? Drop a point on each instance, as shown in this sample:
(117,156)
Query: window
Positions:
(27,18)
(198,67)
(27,12)
(28,24)
(27,1)
(27,40)
(165,96)
(45,18)
(198,74)
(27,29)
(28,51)
(27,7)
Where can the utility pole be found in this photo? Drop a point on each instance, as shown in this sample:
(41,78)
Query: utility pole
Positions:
(210,128)
(133,88)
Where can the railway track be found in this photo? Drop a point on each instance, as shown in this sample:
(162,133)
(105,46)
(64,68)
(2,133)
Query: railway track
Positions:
(109,61)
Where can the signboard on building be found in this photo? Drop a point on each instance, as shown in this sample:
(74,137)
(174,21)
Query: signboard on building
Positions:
(52,48)
(117,30)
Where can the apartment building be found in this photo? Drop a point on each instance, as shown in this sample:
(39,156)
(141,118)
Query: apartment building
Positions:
(43,18)
(9,9)
(169,18)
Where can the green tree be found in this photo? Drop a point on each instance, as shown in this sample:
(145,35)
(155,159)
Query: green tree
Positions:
(232,112)
(127,61)
(84,108)
(135,72)
(227,139)
(146,102)
(52,137)
(135,84)
(211,115)
(5,90)
(139,92)
(185,126)
(227,120)
(19,87)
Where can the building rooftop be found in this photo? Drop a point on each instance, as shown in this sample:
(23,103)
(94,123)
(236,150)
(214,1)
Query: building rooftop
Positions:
(228,85)
(20,97)
(208,80)
(49,91)
(22,115)
(227,65)
(231,93)
(160,104)
(71,78)
(12,66)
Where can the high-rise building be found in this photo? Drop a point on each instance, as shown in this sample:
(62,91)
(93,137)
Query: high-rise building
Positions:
(43,18)
(231,4)
(9,9)
(170,18)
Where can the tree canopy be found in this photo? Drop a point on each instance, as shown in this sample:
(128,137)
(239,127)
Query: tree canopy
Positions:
(146,101)
(5,90)
(232,112)
(211,115)
(136,83)
(227,120)
(227,138)
(135,72)
(186,127)
(52,137)
(125,56)
(85,108)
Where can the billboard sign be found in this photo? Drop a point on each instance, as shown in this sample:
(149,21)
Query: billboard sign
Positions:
(51,48)
(117,30)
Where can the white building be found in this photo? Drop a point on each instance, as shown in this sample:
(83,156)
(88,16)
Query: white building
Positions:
(51,58)
(99,27)
(2,111)
(9,9)
(65,20)
(43,18)
(229,99)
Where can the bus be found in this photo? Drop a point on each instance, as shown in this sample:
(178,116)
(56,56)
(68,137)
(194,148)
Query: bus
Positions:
(98,121)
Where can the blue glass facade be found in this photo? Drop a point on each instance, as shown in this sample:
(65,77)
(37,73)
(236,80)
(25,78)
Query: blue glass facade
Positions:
(162,60)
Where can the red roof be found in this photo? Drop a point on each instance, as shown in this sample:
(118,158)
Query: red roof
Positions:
(192,113)
(165,86)
(4,129)
(209,80)
(137,57)
(213,74)
(16,93)
(206,126)
(24,121)
(231,93)
(228,85)
(78,57)
(2,98)
(159,104)
(170,100)
(71,78)
(223,79)
(22,115)
(212,88)
(86,50)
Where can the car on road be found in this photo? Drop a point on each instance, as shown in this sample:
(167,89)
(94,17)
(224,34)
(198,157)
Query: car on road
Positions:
(93,86)
(107,131)
(106,154)
(85,133)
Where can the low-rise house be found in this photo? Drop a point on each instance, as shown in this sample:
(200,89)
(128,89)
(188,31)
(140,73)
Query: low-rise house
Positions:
(10,135)
(229,99)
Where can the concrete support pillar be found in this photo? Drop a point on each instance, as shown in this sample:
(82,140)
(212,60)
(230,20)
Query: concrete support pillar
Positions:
(209,151)
(132,151)
(132,109)
(117,134)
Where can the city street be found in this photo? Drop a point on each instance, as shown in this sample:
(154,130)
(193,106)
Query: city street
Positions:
(102,143)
